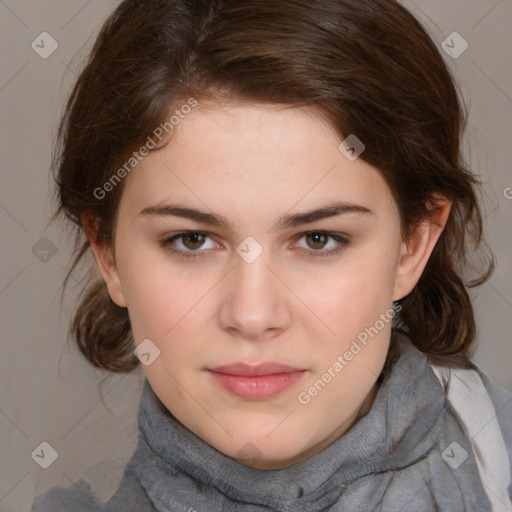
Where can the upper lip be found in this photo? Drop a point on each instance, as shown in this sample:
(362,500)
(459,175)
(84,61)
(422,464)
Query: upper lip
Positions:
(255,369)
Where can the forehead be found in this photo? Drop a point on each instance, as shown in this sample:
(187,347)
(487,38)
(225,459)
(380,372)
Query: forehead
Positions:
(237,155)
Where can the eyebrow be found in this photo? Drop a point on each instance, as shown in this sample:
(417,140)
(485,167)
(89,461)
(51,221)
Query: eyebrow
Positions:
(284,222)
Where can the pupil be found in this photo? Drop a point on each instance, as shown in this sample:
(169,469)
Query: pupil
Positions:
(317,238)
(195,237)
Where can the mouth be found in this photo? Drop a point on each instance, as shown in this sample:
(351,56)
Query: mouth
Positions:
(256,382)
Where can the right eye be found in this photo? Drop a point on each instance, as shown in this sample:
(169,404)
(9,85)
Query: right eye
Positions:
(191,241)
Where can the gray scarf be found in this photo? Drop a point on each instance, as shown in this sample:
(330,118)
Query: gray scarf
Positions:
(389,461)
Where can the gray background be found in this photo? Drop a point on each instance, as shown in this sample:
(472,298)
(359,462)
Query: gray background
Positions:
(47,390)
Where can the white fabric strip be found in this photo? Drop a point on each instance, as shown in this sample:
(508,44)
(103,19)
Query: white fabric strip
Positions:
(477,415)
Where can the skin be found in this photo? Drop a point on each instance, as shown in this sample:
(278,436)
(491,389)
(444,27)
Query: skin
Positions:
(253,164)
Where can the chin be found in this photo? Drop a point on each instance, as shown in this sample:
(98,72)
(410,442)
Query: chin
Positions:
(260,456)
(268,448)
(271,438)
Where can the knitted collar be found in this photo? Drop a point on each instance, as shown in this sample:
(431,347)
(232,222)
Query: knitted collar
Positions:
(178,470)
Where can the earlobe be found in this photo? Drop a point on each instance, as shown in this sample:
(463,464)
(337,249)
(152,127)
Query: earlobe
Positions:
(416,252)
(105,260)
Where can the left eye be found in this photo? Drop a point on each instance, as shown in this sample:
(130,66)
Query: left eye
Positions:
(192,241)
(319,238)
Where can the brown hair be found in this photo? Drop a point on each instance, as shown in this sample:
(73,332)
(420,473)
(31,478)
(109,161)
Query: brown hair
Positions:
(367,66)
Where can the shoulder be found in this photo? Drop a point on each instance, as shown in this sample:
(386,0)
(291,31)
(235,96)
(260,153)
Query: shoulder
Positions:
(130,496)
(77,498)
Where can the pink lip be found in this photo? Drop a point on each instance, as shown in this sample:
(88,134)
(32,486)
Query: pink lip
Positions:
(256,382)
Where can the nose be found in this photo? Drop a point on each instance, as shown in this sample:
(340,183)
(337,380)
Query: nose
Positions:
(254,305)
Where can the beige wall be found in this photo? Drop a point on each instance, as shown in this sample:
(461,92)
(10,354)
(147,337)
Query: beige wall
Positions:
(47,392)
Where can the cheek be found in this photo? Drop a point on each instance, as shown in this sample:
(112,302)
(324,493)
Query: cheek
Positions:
(353,309)
(362,290)
(157,295)
(160,308)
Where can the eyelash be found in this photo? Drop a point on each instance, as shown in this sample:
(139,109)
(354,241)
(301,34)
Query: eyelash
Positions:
(166,244)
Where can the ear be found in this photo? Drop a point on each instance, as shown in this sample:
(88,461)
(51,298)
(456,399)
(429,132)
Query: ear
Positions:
(105,260)
(416,252)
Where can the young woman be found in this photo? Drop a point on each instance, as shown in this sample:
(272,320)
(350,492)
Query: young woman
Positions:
(276,201)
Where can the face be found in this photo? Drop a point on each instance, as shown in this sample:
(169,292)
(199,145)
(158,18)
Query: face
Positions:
(258,309)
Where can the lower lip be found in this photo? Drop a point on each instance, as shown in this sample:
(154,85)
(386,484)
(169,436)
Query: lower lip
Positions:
(257,387)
